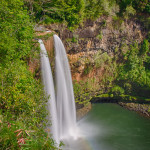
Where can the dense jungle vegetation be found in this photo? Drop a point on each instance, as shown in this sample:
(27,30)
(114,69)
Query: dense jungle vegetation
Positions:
(126,77)
(22,100)
(73,12)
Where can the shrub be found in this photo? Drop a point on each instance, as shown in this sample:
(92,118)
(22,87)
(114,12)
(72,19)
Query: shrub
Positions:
(144,47)
(71,11)
(130,11)
(93,8)
(88,67)
(16,32)
(100,59)
(110,7)
(22,99)
(117,90)
(141,5)
(128,88)
(100,36)
(16,135)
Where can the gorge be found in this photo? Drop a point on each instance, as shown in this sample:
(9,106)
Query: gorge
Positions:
(107,44)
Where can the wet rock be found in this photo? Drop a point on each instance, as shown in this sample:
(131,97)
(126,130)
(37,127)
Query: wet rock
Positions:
(143,109)
(83,110)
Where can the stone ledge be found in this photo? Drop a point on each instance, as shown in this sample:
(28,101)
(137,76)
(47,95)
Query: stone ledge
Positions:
(142,109)
(81,112)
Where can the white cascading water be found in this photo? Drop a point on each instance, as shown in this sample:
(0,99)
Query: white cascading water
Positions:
(50,92)
(66,111)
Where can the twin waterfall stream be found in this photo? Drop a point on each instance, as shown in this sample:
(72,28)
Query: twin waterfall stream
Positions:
(61,104)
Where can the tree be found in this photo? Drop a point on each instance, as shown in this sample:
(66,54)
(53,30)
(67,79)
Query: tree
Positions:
(16,30)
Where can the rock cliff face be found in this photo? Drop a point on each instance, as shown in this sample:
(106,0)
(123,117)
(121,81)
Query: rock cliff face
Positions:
(34,63)
(91,50)
(103,35)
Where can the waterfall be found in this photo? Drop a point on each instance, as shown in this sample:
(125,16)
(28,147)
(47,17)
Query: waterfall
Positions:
(49,89)
(62,109)
(64,92)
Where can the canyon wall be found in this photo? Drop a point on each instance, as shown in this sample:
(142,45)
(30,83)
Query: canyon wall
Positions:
(94,51)
(95,38)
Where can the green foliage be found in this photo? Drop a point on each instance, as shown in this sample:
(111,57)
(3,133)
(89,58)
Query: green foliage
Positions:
(104,95)
(142,5)
(16,30)
(123,4)
(77,88)
(101,58)
(100,36)
(110,7)
(86,89)
(99,62)
(22,99)
(74,12)
(93,8)
(96,8)
(83,89)
(8,139)
(23,104)
(117,90)
(71,11)
(45,37)
(75,38)
(16,135)
(117,22)
(148,36)
(130,11)
(132,68)
(20,90)
(127,87)
(139,5)
(144,48)
(134,72)
(87,68)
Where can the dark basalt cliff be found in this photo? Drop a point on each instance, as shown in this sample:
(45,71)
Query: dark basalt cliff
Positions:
(104,34)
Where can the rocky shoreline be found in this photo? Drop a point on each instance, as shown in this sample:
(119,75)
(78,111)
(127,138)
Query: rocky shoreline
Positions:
(142,109)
